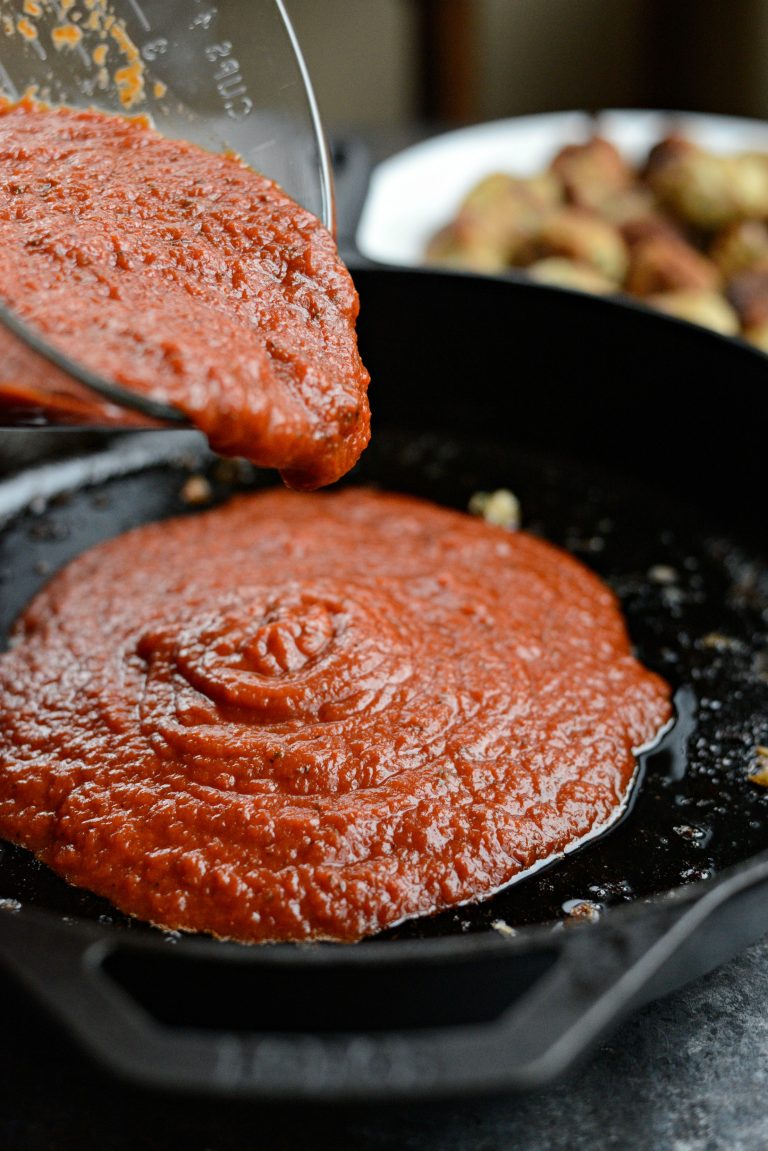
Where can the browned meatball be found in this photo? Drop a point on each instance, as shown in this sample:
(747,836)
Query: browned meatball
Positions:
(580,236)
(666,153)
(705,190)
(757,335)
(710,309)
(591,173)
(651,226)
(748,293)
(499,190)
(740,247)
(570,274)
(465,247)
(664,264)
(496,217)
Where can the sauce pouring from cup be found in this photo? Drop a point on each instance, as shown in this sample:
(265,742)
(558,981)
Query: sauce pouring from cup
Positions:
(180,65)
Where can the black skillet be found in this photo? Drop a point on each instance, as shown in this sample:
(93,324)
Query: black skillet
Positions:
(636,441)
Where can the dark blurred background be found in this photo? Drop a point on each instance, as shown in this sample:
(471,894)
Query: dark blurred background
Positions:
(388,63)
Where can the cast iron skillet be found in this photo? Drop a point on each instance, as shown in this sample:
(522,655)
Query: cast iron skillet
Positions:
(639,443)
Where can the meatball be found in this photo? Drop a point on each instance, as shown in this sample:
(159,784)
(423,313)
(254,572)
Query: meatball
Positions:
(705,190)
(757,335)
(580,236)
(710,309)
(740,246)
(651,226)
(666,263)
(465,246)
(748,293)
(495,220)
(591,173)
(571,274)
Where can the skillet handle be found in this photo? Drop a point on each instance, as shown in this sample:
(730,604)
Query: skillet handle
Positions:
(599,975)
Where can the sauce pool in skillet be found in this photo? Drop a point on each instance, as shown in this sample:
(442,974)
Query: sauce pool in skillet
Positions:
(310,717)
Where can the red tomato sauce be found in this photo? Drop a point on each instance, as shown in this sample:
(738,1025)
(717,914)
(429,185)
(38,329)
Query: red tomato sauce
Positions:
(310,717)
(182,275)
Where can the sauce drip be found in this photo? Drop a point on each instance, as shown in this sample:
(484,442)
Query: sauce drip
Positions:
(182,275)
(311,717)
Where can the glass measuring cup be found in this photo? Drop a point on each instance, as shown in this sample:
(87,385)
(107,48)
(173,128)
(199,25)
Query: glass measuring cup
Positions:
(225,75)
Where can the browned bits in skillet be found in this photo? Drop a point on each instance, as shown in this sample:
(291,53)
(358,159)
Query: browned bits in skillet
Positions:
(686,231)
(197,490)
(717,641)
(582,911)
(501,508)
(759,773)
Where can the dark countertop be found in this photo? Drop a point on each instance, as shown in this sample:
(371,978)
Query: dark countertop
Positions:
(688,1073)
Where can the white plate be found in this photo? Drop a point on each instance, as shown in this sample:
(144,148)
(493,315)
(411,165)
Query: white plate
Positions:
(414,193)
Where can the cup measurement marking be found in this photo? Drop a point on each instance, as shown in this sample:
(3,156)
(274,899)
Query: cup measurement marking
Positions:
(229,80)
